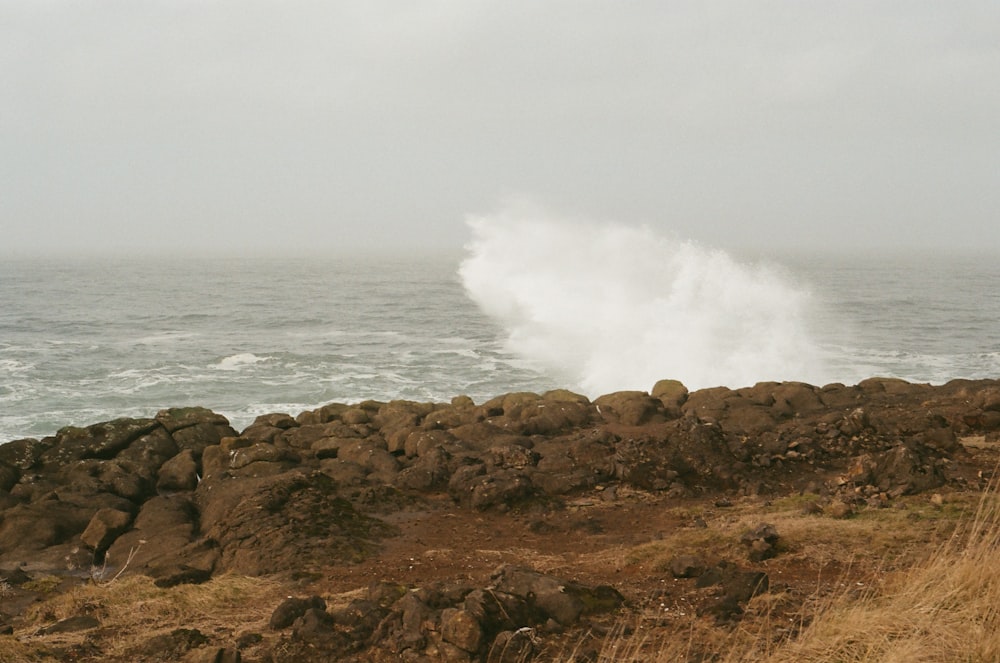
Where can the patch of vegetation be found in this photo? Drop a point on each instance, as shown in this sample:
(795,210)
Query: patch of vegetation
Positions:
(43,584)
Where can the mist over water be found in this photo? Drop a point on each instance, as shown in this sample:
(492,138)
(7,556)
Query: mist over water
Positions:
(606,307)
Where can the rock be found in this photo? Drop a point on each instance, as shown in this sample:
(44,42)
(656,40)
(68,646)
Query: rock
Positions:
(170,646)
(102,440)
(104,528)
(561,600)
(172,575)
(738,586)
(27,529)
(471,485)
(294,520)
(371,455)
(629,408)
(570,464)
(178,418)
(179,473)
(512,646)
(672,394)
(25,453)
(461,629)
(291,609)
(901,470)
(761,540)
(261,452)
(202,435)
(687,566)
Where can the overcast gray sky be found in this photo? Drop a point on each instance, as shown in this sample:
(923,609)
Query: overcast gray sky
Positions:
(249,125)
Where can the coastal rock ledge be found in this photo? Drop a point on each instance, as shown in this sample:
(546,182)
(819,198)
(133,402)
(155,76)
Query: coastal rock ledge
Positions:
(182,498)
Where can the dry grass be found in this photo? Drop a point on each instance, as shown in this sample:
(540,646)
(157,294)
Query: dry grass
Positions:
(133,609)
(944,607)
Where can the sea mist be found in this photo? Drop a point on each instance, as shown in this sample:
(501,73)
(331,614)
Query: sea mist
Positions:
(607,307)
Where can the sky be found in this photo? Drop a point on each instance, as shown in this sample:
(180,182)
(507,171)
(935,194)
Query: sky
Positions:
(251,126)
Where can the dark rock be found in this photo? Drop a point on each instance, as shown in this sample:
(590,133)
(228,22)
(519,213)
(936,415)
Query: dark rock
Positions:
(629,408)
(687,566)
(179,473)
(261,452)
(202,435)
(901,470)
(102,440)
(171,646)
(179,574)
(25,453)
(9,476)
(291,609)
(761,541)
(316,627)
(295,520)
(461,629)
(559,599)
(104,528)
(178,418)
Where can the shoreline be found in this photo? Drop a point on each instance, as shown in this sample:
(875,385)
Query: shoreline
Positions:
(399,509)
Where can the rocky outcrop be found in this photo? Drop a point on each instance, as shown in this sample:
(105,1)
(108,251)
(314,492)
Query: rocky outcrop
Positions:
(183,496)
(456,623)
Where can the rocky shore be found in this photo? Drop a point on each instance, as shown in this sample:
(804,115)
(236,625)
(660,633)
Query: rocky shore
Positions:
(459,531)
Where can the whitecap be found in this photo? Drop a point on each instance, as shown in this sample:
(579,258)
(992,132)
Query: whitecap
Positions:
(238,361)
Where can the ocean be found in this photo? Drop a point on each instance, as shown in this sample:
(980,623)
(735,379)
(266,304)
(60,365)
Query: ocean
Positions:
(84,340)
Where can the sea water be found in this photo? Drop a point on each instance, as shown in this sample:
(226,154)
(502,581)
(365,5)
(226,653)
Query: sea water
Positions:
(523,308)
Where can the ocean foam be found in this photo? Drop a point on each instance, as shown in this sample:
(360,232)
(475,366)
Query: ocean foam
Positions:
(610,306)
(238,361)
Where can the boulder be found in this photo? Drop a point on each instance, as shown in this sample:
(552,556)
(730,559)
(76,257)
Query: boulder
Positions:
(291,609)
(104,528)
(102,440)
(179,473)
(629,408)
(561,600)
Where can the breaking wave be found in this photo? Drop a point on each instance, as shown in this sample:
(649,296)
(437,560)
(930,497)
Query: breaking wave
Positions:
(610,306)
